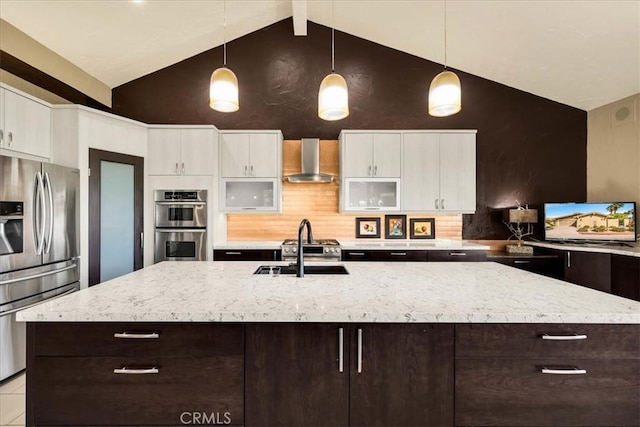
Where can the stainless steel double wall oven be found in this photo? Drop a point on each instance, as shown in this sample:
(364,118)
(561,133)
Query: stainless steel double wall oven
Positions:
(181,225)
(39,245)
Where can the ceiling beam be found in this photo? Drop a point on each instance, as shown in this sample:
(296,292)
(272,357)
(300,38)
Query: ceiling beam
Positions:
(299,9)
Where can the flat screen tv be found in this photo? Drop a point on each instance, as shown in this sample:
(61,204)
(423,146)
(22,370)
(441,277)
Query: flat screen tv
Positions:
(590,222)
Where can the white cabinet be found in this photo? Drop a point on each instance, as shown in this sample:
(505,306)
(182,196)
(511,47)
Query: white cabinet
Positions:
(370,154)
(250,155)
(371,194)
(250,171)
(25,125)
(181,151)
(439,172)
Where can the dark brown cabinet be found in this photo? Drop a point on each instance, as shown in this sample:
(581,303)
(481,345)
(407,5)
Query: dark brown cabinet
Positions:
(589,269)
(384,255)
(123,374)
(336,375)
(547,375)
(547,265)
(625,276)
(247,255)
(457,255)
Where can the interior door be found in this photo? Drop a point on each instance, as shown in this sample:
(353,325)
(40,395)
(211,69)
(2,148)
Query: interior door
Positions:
(115,215)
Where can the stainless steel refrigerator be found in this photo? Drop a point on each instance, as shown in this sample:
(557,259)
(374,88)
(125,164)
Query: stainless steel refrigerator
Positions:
(39,245)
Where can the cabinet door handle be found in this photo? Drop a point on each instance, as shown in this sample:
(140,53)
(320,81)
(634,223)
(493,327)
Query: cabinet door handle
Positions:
(356,253)
(245,170)
(233,253)
(140,335)
(177,170)
(136,371)
(569,259)
(359,350)
(572,370)
(441,203)
(10,138)
(375,170)
(142,239)
(340,349)
(571,337)
(251,171)
(517,261)
(437,204)
(1,137)
(182,168)
(398,254)
(369,172)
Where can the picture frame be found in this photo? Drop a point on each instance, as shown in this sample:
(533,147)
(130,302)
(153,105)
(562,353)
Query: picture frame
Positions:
(422,228)
(395,226)
(367,228)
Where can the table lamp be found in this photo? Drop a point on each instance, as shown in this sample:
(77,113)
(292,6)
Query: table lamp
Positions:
(520,222)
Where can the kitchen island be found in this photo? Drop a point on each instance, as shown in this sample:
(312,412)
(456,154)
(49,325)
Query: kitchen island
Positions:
(402,344)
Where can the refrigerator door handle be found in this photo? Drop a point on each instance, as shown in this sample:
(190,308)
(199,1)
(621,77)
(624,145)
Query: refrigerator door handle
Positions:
(15,310)
(39,216)
(36,276)
(48,212)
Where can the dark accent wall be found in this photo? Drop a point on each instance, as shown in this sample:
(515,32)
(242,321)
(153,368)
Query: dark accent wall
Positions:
(529,148)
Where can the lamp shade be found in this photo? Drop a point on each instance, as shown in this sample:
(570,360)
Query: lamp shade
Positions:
(223,91)
(445,95)
(333,98)
(523,216)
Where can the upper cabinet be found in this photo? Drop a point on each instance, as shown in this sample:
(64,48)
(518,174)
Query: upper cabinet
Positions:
(250,155)
(25,124)
(439,171)
(182,151)
(250,171)
(370,154)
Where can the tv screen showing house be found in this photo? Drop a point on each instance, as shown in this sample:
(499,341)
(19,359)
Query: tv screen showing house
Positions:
(611,221)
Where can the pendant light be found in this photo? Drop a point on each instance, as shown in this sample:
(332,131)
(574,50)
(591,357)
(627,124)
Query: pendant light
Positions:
(223,90)
(444,92)
(333,96)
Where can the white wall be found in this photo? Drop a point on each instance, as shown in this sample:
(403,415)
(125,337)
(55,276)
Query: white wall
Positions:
(613,152)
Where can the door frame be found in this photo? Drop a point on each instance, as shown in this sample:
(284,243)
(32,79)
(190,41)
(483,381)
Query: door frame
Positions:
(95,157)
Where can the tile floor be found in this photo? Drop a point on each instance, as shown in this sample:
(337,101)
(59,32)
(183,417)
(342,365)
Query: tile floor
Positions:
(12,401)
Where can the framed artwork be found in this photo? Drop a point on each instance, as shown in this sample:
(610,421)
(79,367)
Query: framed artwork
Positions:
(395,227)
(422,228)
(367,227)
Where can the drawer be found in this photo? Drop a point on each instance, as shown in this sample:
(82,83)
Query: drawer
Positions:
(514,392)
(153,339)
(546,266)
(458,255)
(384,255)
(247,255)
(80,390)
(548,340)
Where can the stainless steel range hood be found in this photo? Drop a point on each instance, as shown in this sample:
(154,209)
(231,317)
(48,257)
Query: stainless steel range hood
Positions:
(310,160)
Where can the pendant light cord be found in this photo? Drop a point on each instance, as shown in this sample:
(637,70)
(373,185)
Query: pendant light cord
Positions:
(445,34)
(224,34)
(333,23)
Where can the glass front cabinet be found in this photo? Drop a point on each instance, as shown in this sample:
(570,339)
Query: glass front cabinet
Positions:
(370,194)
(250,194)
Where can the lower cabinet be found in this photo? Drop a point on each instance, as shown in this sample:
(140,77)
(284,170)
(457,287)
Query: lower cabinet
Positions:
(547,375)
(383,255)
(589,269)
(247,255)
(337,375)
(457,255)
(625,276)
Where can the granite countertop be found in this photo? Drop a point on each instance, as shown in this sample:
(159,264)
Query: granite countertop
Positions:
(633,250)
(398,292)
(364,244)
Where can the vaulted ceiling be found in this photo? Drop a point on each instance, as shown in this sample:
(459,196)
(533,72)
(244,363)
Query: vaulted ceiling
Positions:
(583,53)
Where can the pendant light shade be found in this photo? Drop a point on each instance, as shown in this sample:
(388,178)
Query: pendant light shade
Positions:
(223,91)
(445,95)
(333,98)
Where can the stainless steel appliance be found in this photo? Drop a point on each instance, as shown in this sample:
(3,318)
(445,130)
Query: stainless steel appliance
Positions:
(317,250)
(39,241)
(181,225)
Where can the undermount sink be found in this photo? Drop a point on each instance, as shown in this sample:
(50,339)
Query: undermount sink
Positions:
(308,269)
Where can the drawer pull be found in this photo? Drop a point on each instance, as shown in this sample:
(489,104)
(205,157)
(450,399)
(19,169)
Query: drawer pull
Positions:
(136,371)
(564,371)
(398,253)
(520,262)
(340,349)
(356,253)
(458,253)
(145,335)
(233,253)
(572,337)
(359,350)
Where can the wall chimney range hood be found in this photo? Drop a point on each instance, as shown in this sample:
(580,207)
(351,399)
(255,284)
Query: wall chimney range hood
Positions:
(310,159)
